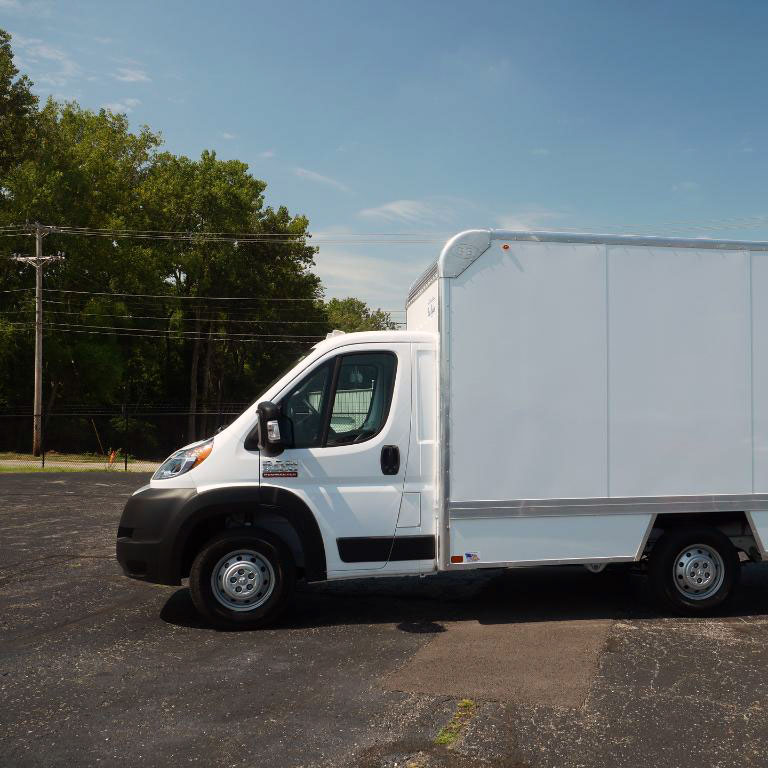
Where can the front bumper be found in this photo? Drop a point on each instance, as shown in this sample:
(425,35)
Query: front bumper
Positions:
(148,532)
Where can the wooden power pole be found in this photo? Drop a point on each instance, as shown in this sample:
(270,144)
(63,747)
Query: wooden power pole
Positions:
(38,261)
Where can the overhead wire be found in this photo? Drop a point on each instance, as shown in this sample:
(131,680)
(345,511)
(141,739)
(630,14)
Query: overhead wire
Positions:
(145,305)
(172,332)
(164,296)
(156,334)
(176,296)
(168,317)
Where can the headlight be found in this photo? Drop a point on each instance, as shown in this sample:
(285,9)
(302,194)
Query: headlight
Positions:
(184,460)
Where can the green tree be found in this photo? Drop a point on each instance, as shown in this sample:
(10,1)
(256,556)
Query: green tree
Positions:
(244,338)
(85,170)
(352,314)
(18,108)
(132,319)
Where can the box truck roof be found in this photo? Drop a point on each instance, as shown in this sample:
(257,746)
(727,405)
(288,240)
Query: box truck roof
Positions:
(465,247)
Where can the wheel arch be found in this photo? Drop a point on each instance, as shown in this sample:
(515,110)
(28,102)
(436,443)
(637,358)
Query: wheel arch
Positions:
(275,509)
(737,526)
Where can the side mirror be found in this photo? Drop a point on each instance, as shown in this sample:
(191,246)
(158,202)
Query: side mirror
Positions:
(271,441)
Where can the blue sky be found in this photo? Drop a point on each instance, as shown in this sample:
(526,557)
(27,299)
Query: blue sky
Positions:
(430,117)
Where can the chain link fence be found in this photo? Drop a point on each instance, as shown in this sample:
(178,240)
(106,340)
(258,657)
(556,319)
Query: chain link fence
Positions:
(127,439)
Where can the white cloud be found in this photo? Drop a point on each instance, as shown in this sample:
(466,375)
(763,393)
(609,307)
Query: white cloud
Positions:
(686,186)
(540,152)
(380,282)
(131,75)
(124,106)
(34,8)
(500,69)
(304,173)
(378,274)
(267,154)
(39,55)
(527,220)
(348,146)
(227,136)
(429,211)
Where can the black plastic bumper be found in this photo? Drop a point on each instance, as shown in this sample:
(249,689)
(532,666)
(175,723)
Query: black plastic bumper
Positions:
(147,536)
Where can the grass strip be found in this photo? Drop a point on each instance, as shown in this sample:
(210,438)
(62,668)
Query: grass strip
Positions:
(448,735)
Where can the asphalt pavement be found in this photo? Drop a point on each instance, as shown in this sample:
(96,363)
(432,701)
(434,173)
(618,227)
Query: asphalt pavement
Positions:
(529,667)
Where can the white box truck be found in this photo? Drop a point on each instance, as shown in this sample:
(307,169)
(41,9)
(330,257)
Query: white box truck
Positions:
(555,399)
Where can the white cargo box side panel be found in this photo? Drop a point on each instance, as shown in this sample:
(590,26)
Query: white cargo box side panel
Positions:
(679,372)
(576,538)
(528,416)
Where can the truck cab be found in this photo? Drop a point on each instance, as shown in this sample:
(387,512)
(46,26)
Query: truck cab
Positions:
(330,474)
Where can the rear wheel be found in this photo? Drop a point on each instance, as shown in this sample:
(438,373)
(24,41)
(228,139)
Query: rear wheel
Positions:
(694,571)
(242,579)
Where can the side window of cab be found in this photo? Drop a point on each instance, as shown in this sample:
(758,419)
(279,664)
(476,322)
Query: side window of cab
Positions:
(305,407)
(343,402)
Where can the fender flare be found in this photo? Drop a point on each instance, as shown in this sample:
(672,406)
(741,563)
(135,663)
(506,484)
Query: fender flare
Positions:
(252,500)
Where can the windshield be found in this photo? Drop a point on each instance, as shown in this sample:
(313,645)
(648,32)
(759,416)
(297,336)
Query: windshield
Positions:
(279,376)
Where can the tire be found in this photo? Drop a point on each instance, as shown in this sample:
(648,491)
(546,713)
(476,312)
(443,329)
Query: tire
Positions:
(242,579)
(693,571)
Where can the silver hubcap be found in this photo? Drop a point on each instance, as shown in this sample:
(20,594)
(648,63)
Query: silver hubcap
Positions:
(243,580)
(698,572)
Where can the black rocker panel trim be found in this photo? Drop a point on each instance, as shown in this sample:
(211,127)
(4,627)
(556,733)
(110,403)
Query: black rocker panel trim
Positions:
(376,549)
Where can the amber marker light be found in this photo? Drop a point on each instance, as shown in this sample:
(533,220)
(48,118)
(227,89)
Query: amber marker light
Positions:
(184,460)
(202,452)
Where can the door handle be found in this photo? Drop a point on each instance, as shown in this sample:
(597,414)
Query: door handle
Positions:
(390,459)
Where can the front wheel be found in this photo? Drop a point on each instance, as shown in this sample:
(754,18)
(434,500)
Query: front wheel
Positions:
(242,579)
(694,571)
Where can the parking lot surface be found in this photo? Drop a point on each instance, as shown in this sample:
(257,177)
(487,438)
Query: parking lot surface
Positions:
(531,667)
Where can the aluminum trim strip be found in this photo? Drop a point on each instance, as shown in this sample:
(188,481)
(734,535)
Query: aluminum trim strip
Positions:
(647,240)
(534,563)
(640,505)
(422,282)
(444,491)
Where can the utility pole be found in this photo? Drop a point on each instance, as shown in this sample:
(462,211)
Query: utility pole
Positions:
(38,261)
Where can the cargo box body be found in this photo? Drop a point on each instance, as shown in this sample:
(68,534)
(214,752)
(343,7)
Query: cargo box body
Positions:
(587,384)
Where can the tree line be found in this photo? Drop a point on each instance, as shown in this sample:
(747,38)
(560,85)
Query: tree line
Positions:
(193,322)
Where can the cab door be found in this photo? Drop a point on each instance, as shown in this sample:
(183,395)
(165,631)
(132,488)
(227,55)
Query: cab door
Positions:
(348,421)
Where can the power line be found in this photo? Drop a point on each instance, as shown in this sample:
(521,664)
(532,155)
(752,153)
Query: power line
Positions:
(181,298)
(174,296)
(155,305)
(167,317)
(246,237)
(114,333)
(171,332)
